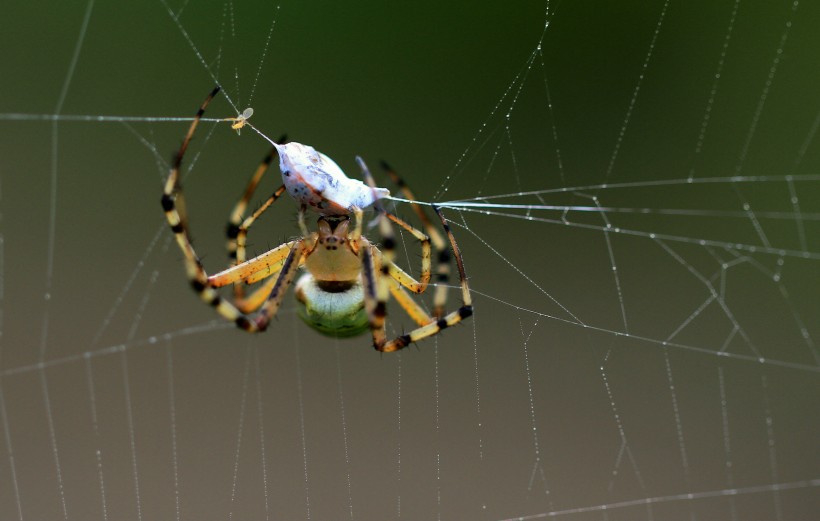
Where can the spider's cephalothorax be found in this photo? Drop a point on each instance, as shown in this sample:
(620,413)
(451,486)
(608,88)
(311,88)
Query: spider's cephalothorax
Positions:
(347,279)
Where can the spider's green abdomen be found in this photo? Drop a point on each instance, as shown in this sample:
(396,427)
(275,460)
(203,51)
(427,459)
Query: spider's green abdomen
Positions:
(338,313)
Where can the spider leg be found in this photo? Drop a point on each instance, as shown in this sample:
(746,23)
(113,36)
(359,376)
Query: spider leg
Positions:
(381,277)
(356,234)
(207,290)
(236,222)
(378,269)
(273,269)
(466,300)
(416,312)
(175,214)
(265,264)
(237,233)
(237,236)
(237,229)
(301,221)
(426,253)
(259,321)
(374,302)
(435,326)
(443,264)
(429,228)
(258,296)
(389,244)
(401,276)
(283,282)
(239,209)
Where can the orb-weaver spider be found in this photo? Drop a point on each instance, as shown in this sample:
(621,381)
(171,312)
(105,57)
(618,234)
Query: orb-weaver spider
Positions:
(348,280)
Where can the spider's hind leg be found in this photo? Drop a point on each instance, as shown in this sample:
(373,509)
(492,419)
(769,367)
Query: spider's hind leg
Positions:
(440,323)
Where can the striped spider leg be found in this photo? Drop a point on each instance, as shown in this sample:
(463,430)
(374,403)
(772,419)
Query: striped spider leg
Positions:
(382,276)
(443,265)
(281,262)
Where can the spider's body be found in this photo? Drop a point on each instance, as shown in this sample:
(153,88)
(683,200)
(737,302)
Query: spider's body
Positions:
(348,279)
(331,293)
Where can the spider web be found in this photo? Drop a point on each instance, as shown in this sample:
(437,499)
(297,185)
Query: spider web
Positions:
(635,191)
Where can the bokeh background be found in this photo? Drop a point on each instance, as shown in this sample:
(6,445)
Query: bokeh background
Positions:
(123,397)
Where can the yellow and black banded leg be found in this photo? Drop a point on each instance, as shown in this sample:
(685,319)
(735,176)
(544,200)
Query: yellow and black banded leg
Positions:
(448,320)
(372,263)
(443,253)
(426,253)
(399,275)
(207,290)
(238,212)
(258,296)
(175,214)
(198,277)
(410,306)
(238,225)
(258,321)
(382,277)
(376,266)
(371,298)
(283,282)
(381,268)
(429,228)
(260,267)
(466,300)
(237,237)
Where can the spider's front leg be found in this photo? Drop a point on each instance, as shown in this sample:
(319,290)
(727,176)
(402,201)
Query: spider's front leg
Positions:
(238,224)
(206,287)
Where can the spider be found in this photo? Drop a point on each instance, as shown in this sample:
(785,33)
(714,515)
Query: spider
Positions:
(348,279)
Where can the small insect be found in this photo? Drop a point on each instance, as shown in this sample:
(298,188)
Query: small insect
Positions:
(240,120)
(347,279)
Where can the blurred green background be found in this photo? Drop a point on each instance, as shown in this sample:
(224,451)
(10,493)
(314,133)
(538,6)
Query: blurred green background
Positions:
(149,407)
